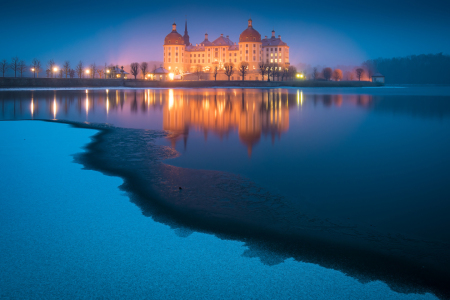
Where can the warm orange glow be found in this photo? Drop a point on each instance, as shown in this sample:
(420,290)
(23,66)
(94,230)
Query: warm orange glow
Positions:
(171,75)
(88,71)
(32,69)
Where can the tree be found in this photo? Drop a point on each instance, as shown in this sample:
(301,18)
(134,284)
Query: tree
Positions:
(100,72)
(144,68)
(269,71)
(36,66)
(337,74)
(292,71)
(66,67)
(229,69)
(79,69)
(315,74)
(4,66)
(93,68)
(198,71)
(285,74)
(61,71)
(72,73)
(50,66)
(370,68)
(275,71)
(262,69)
(243,69)
(359,73)
(22,67)
(15,65)
(216,70)
(327,73)
(134,69)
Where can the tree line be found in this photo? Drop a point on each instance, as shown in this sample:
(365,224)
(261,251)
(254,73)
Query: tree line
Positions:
(51,70)
(413,69)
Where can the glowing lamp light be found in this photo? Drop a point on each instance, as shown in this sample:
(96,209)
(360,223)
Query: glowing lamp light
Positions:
(55,69)
(107,71)
(171,75)
(32,69)
(87,71)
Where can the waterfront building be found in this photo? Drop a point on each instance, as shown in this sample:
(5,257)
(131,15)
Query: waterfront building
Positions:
(377,77)
(182,57)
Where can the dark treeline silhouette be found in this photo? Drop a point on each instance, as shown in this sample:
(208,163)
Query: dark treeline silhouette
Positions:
(414,69)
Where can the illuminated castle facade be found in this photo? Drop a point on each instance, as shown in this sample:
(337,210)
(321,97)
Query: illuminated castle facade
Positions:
(181,57)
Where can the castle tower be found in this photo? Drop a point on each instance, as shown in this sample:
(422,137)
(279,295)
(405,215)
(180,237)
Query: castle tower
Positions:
(186,35)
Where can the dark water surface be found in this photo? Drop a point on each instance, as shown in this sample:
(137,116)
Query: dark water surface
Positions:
(368,166)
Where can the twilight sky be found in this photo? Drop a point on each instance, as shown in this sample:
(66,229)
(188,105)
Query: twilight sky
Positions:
(326,32)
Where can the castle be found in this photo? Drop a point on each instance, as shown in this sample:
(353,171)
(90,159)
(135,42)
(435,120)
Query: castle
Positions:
(181,57)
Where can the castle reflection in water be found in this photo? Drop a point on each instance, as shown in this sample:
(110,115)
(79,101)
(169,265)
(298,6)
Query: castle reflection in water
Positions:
(253,113)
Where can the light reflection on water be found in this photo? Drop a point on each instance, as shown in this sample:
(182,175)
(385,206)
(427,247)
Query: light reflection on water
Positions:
(328,149)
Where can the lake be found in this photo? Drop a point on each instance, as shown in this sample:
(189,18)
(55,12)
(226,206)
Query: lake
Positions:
(359,175)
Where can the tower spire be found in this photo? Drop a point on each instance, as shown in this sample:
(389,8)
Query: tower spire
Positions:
(186,35)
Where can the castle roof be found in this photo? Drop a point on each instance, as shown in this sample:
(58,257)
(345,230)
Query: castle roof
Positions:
(174,38)
(250,34)
(273,41)
(222,41)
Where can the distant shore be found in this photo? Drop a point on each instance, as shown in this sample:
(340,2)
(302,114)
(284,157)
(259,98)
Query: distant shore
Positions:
(11,82)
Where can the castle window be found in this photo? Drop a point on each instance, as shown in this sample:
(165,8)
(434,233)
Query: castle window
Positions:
(254,45)
(235,54)
(203,55)
(229,54)
(254,51)
(280,49)
(271,60)
(176,53)
(246,51)
(169,53)
(176,48)
(191,55)
(276,49)
(271,54)
(246,58)
(203,61)
(195,55)
(246,45)
(271,49)
(195,61)
(254,58)
(246,38)
(217,49)
(191,61)
(275,60)
(254,39)
(235,60)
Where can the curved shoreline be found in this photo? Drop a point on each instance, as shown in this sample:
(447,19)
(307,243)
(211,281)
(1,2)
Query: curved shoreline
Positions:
(247,213)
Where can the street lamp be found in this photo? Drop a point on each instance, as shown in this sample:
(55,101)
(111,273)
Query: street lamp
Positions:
(34,72)
(55,69)
(87,72)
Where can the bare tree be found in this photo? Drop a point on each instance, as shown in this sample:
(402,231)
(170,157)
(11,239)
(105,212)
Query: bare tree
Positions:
(370,68)
(269,71)
(243,69)
(359,73)
(61,71)
(285,74)
(72,73)
(198,71)
(100,72)
(50,66)
(22,67)
(15,65)
(275,71)
(144,68)
(79,69)
(36,67)
(66,67)
(327,73)
(262,69)
(229,69)
(93,68)
(4,66)
(216,71)
(292,71)
(337,74)
(134,69)
(315,74)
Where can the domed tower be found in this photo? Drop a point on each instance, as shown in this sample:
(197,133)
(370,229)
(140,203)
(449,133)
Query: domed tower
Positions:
(174,50)
(250,47)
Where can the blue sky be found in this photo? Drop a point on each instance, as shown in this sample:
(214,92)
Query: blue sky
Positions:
(322,33)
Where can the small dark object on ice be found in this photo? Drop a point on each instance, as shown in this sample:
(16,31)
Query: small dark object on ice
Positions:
(179,187)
